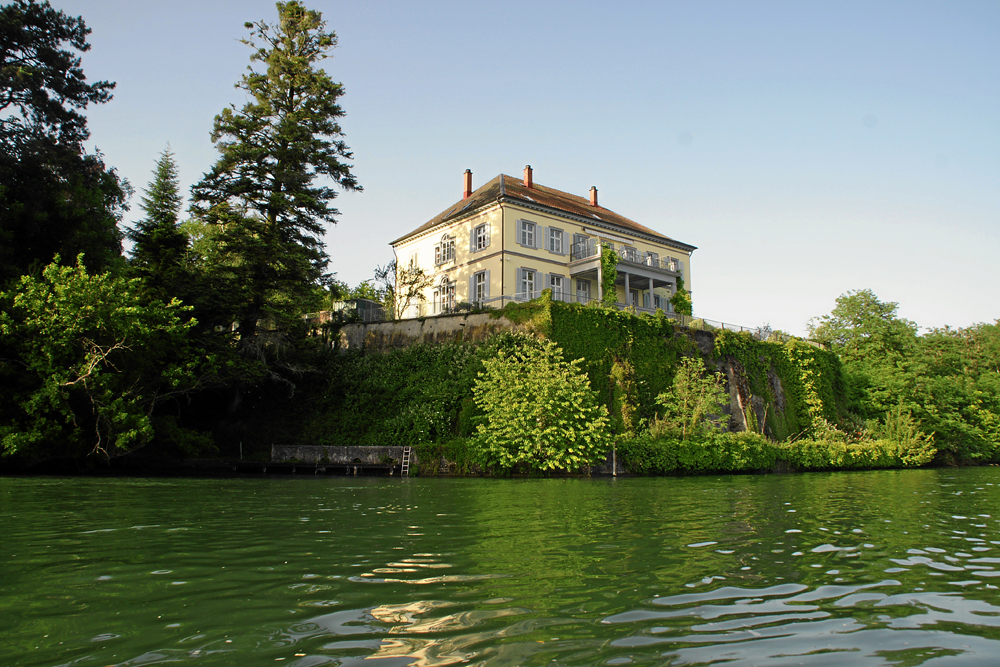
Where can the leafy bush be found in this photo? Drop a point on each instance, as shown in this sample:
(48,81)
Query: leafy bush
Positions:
(459,452)
(913,446)
(728,452)
(830,447)
(539,412)
(694,404)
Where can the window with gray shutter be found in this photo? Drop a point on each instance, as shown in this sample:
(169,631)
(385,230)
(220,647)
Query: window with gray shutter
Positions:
(527,234)
(479,239)
(479,287)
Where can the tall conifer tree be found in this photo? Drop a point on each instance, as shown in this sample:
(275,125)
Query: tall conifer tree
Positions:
(159,244)
(270,193)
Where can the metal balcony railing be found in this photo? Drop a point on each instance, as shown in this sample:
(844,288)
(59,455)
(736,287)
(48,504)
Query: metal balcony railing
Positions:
(591,248)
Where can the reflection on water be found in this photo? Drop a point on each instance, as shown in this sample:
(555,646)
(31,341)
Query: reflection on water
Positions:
(875,568)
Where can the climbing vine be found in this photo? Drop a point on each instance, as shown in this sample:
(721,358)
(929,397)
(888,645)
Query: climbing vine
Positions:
(681,300)
(609,273)
(811,378)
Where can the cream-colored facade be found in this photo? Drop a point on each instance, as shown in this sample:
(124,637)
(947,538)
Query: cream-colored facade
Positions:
(512,238)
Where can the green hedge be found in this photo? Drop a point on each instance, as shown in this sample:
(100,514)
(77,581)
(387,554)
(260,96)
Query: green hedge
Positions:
(720,452)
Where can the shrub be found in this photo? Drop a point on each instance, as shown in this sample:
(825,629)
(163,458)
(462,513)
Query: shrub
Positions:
(539,412)
(728,452)
(694,404)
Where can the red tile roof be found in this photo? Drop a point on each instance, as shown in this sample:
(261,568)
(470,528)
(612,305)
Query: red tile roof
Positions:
(511,188)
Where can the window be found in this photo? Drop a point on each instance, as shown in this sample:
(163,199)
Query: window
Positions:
(527,286)
(581,247)
(629,254)
(583,291)
(556,283)
(555,243)
(444,296)
(652,259)
(526,233)
(444,251)
(413,260)
(480,287)
(480,237)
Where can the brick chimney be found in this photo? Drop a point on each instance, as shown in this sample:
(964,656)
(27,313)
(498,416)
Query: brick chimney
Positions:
(593,195)
(468,184)
(527,176)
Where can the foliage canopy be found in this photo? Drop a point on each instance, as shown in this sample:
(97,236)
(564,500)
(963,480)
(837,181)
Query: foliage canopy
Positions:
(55,198)
(84,359)
(539,412)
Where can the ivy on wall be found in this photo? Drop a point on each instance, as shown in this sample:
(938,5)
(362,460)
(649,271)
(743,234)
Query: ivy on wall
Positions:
(811,378)
(681,300)
(609,275)
(644,346)
(422,394)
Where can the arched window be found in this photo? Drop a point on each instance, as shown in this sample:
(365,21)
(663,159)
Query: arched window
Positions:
(445,250)
(444,296)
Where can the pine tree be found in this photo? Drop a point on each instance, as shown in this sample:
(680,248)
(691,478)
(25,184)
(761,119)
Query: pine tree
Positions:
(159,244)
(270,192)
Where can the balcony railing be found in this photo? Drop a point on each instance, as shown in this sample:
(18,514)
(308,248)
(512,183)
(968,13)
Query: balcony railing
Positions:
(591,248)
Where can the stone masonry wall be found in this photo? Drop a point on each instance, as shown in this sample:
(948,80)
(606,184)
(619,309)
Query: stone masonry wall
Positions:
(381,336)
(340,455)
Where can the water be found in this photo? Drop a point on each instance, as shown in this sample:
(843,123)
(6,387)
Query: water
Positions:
(866,568)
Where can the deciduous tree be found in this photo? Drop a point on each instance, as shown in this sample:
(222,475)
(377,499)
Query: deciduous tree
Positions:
(401,288)
(875,345)
(83,361)
(54,197)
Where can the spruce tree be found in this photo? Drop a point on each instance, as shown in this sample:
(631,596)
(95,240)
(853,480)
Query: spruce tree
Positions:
(270,192)
(159,244)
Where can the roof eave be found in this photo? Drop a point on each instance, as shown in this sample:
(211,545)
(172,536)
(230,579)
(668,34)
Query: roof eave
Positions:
(447,221)
(680,245)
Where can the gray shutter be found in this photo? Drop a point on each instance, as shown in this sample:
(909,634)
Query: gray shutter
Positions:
(486,292)
(472,239)
(540,237)
(517,284)
(488,234)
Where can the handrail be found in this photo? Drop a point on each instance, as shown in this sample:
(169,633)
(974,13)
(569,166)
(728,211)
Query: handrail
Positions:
(589,248)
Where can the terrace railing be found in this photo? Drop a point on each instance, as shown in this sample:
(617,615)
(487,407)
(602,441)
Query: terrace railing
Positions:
(591,248)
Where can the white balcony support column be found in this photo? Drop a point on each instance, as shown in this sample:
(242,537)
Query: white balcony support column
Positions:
(652,301)
(627,292)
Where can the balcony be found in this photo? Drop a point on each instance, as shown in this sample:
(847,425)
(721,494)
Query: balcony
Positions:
(591,249)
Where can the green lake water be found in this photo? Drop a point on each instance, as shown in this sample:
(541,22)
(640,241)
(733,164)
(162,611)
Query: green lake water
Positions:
(860,568)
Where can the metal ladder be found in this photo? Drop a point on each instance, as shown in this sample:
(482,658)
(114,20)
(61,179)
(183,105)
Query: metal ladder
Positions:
(405,472)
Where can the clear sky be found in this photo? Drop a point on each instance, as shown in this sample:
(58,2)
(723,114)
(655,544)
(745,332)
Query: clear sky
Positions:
(805,148)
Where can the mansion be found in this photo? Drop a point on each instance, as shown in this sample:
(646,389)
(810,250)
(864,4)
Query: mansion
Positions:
(511,238)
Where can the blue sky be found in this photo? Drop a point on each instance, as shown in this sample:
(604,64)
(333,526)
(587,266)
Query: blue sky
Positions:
(806,148)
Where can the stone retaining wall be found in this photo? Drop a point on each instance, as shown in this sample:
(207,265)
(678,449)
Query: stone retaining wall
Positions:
(340,455)
(381,336)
